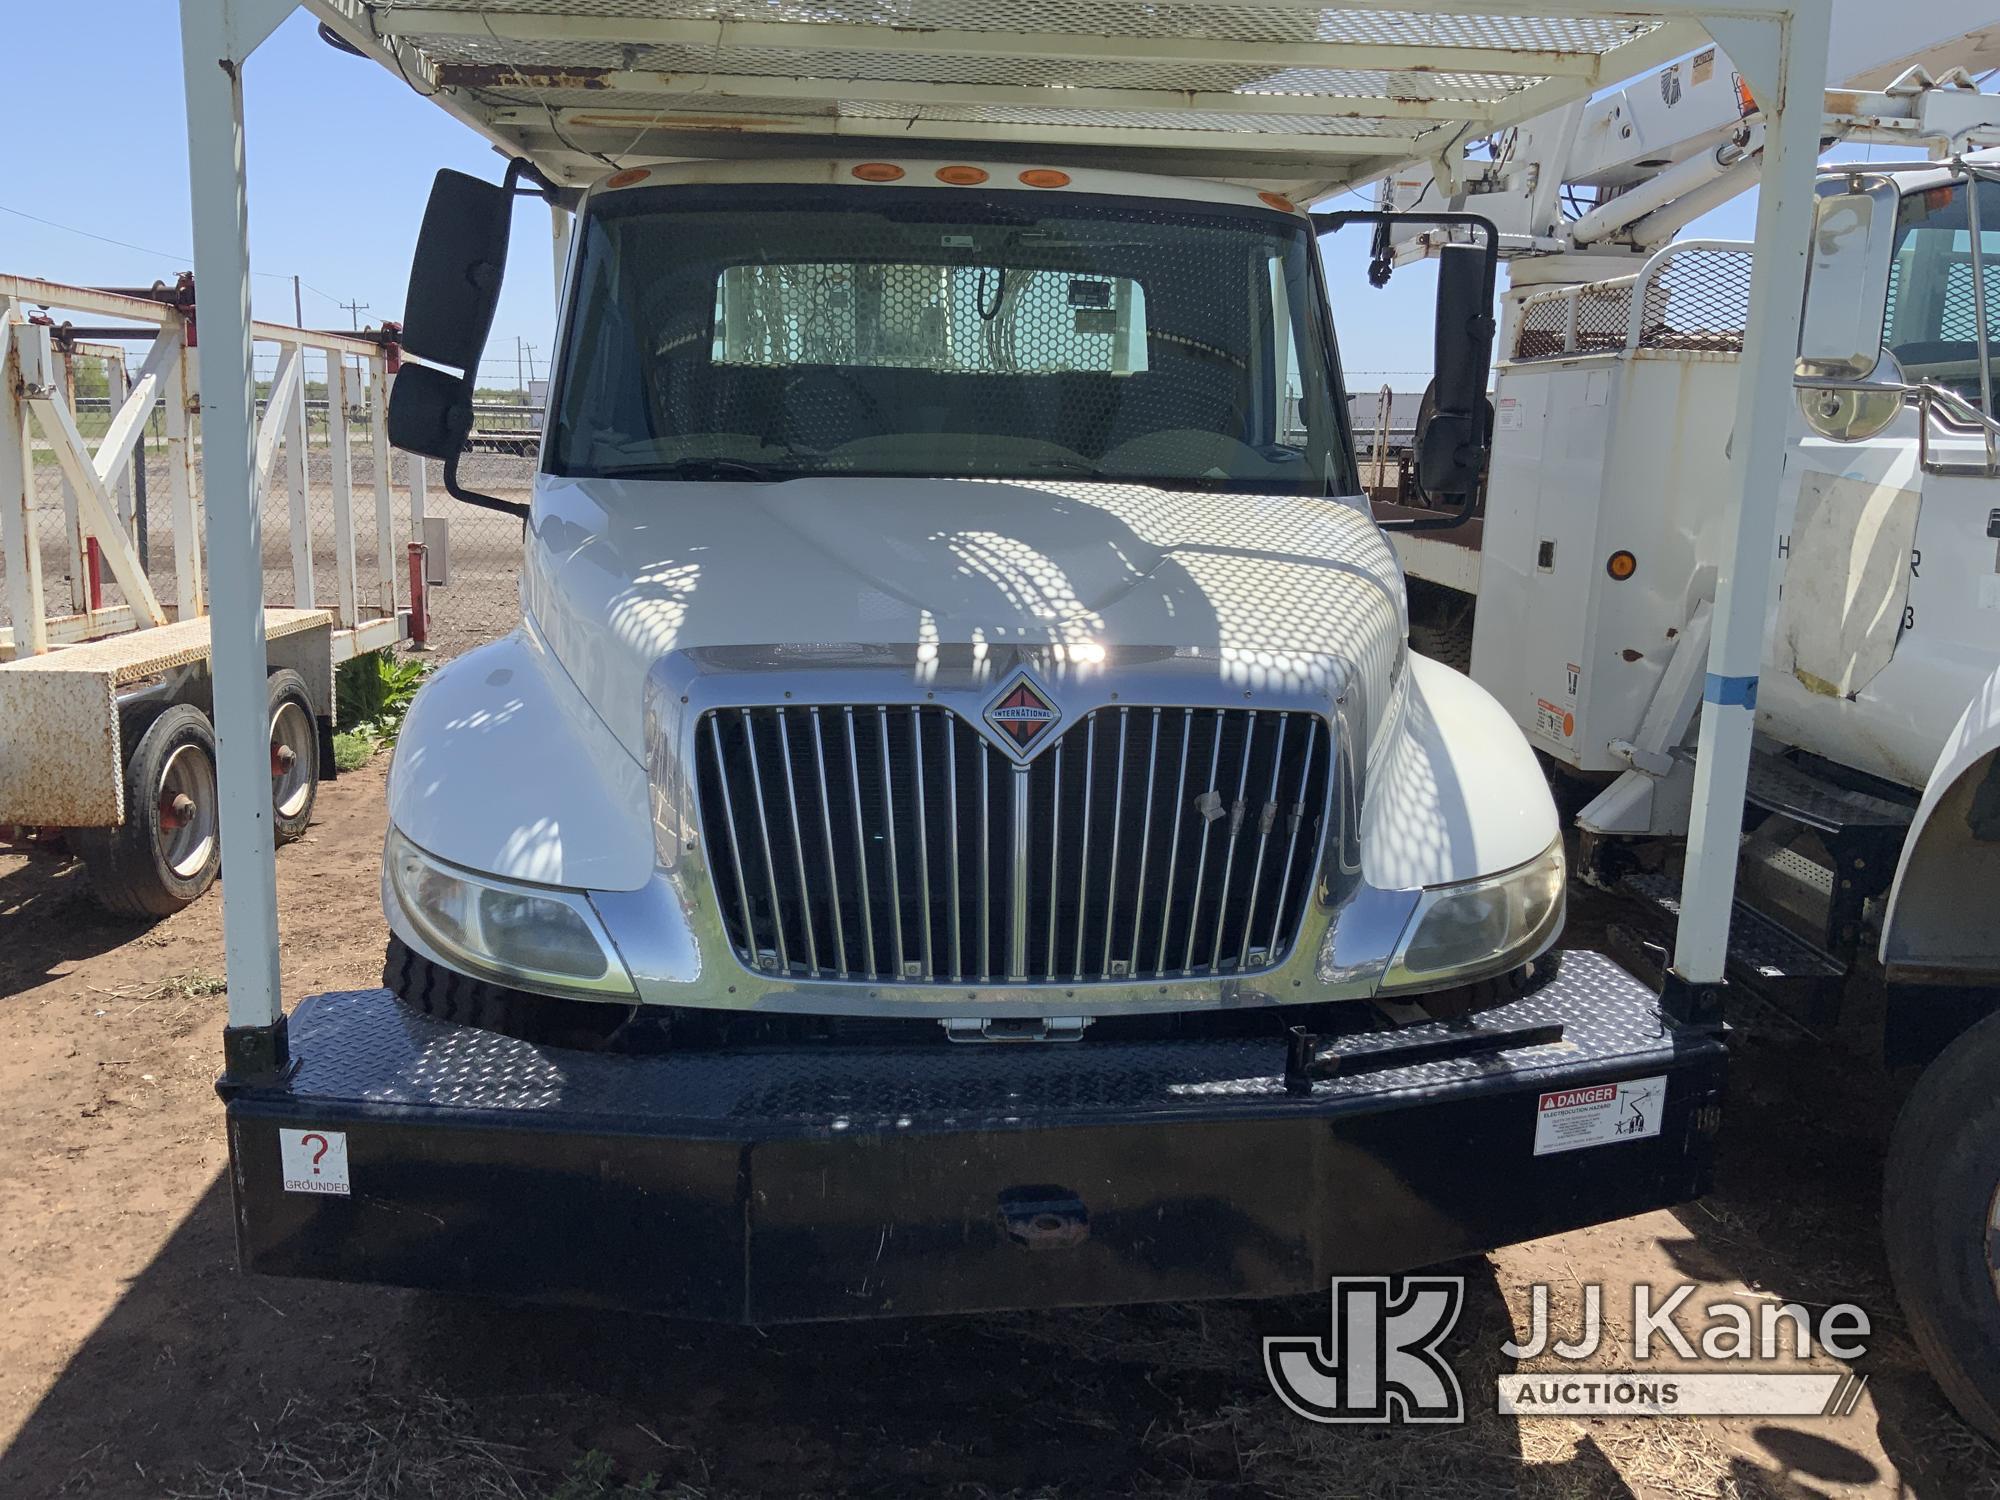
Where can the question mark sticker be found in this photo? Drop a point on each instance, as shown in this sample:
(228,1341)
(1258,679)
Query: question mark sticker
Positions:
(314,1161)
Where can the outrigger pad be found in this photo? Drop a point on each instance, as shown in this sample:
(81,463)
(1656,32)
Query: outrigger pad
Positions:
(788,1183)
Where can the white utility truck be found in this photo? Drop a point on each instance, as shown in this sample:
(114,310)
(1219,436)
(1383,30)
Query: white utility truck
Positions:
(959,824)
(1872,831)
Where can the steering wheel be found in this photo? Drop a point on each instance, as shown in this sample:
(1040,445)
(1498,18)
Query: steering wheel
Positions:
(830,388)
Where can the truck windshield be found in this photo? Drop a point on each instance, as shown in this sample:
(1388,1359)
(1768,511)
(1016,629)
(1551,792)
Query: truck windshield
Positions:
(774,332)
(1931,325)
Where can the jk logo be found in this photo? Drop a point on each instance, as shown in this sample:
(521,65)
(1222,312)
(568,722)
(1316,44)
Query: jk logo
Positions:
(1380,1363)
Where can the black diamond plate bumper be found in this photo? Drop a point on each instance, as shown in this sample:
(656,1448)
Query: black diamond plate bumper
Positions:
(828,1182)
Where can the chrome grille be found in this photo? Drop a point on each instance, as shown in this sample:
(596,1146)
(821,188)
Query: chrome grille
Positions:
(894,843)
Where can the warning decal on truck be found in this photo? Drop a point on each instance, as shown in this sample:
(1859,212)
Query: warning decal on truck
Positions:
(313,1161)
(1597,1116)
(1554,720)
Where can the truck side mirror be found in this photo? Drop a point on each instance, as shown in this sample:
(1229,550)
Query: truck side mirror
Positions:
(1453,458)
(447,313)
(1847,281)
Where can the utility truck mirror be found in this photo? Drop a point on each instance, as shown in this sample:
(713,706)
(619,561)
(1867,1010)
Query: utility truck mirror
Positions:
(1452,459)
(455,278)
(447,313)
(1847,281)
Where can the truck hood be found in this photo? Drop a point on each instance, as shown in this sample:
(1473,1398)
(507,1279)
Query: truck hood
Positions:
(620,572)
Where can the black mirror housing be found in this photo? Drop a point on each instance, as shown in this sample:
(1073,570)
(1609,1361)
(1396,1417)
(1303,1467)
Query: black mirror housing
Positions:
(454,291)
(1452,460)
(430,412)
(455,278)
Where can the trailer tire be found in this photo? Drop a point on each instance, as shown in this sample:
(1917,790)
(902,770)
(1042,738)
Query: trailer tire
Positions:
(1940,1196)
(294,733)
(459,999)
(152,865)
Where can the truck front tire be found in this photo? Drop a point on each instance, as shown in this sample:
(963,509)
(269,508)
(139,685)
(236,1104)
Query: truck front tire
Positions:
(1941,1222)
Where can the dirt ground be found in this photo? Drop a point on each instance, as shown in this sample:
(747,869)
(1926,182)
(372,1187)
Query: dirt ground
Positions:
(135,1359)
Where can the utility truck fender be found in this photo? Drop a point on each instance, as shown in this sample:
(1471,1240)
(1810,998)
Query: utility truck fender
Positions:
(1454,792)
(1939,923)
(502,767)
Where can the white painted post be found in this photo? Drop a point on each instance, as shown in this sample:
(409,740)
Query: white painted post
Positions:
(181,401)
(1764,411)
(118,386)
(216,37)
(73,528)
(285,412)
(346,611)
(385,500)
(18,538)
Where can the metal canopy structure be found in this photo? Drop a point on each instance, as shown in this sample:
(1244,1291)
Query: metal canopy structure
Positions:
(1309,95)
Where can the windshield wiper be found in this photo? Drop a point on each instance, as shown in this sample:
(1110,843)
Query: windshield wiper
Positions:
(696,468)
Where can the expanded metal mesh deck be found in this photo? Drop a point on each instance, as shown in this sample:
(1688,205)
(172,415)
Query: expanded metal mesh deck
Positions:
(1340,92)
(364,1047)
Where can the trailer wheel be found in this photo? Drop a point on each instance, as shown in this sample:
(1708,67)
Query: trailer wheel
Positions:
(294,756)
(169,848)
(1941,1222)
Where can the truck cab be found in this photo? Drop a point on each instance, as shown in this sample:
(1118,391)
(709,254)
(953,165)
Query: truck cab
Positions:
(947,595)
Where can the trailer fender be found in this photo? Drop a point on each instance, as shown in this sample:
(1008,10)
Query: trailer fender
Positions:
(502,767)
(1454,792)
(1939,923)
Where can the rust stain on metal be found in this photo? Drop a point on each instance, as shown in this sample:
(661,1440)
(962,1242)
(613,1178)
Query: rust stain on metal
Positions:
(1630,655)
(503,75)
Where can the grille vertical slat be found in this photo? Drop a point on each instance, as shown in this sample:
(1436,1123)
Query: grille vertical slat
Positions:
(868,964)
(1174,841)
(746,913)
(760,802)
(1145,844)
(951,763)
(798,841)
(1208,804)
(1055,854)
(889,843)
(832,860)
(1266,817)
(1083,866)
(1117,830)
(1045,885)
(985,861)
(1236,813)
(1298,817)
(923,837)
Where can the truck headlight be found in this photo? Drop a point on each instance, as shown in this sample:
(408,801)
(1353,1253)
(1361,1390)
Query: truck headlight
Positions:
(532,936)
(1478,928)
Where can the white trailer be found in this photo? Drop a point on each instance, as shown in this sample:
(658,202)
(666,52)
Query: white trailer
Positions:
(105,736)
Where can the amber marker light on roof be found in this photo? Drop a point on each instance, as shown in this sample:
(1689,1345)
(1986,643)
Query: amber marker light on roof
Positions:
(962,176)
(627,178)
(878,171)
(1045,177)
(1621,565)
(1280,202)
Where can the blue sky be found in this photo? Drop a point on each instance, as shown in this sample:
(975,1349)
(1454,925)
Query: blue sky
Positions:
(341,155)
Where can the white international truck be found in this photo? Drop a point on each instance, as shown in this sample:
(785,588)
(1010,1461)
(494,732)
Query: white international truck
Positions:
(1872,828)
(960,824)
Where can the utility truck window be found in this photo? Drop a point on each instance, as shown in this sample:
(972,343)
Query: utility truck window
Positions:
(1932,324)
(735,334)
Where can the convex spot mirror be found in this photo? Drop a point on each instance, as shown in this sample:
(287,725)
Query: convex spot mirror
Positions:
(1847,280)
(454,291)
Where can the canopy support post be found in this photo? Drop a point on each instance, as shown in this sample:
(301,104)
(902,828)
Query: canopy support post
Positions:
(1743,576)
(217,36)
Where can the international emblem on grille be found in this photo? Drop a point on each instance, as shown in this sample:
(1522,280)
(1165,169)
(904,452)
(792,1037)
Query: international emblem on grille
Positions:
(1022,713)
